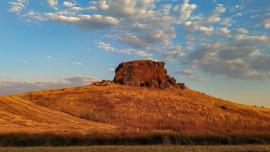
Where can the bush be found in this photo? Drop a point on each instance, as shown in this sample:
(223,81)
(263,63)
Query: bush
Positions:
(72,140)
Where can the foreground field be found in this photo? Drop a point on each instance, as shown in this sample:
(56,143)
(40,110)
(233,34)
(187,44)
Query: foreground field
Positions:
(243,148)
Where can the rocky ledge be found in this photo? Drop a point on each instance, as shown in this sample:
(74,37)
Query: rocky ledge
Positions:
(144,73)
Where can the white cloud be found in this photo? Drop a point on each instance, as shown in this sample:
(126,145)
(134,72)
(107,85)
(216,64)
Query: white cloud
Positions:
(242,31)
(186,10)
(111,69)
(86,22)
(17,6)
(106,46)
(174,52)
(166,9)
(62,18)
(129,10)
(90,22)
(267,23)
(224,30)
(68,4)
(73,6)
(142,54)
(103,5)
(253,38)
(132,52)
(206,30)
(227,21)
(76,63)
(90,8)
(133,41)
(52,3)
(238,14)
(141,26)
(215,16)
(76,8)
(203,24)
(31,15)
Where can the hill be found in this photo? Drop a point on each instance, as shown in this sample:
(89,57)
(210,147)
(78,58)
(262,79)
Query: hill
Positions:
(125,108)
(138,111)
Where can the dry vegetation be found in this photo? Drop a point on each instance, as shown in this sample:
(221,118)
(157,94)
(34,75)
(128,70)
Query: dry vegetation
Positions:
(136,111)
(22,116)
(243,148)
(108,113)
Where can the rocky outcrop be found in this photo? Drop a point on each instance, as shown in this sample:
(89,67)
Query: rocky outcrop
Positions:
(144,73)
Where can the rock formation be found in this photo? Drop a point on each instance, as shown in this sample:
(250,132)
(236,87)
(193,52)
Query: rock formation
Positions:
(144,73)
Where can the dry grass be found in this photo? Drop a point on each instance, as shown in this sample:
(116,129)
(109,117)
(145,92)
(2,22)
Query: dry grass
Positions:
(22,116)
(243,148)
(137,111)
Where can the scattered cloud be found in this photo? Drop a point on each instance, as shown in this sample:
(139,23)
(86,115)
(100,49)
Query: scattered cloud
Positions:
(215,16)
(11,87)
(206,30)
(86,22)
(52,3)
(237,59)
(111,69)
(103,5)
(68,4)
(189,74)
(17,6)
(242,31)
(77,63)
(253,39)
(90,22)
(32,15)
(174,53)
(224,30)
(186,10)
(267,23)
(62,18)
(108,47)
(213,43)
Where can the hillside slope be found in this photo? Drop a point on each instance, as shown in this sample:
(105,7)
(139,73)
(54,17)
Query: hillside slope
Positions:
(22,116)
(137,111)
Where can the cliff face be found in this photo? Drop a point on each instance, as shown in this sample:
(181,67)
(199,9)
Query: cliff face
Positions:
(144,73)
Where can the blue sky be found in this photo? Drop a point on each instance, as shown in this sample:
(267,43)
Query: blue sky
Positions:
(219,47)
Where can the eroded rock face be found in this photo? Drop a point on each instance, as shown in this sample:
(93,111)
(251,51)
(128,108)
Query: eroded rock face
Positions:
(144,73)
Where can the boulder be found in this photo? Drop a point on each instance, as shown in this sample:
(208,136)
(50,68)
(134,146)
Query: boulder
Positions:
(144,73)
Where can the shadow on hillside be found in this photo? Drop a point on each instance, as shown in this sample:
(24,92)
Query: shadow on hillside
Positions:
(7,140)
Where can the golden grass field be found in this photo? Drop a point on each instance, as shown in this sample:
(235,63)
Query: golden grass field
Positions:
(112,109)
(22,116)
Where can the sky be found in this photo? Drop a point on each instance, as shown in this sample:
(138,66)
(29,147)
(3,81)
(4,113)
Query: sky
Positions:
(218,47)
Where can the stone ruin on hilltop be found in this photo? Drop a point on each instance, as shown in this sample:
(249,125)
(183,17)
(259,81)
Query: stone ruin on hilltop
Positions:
(144,73)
